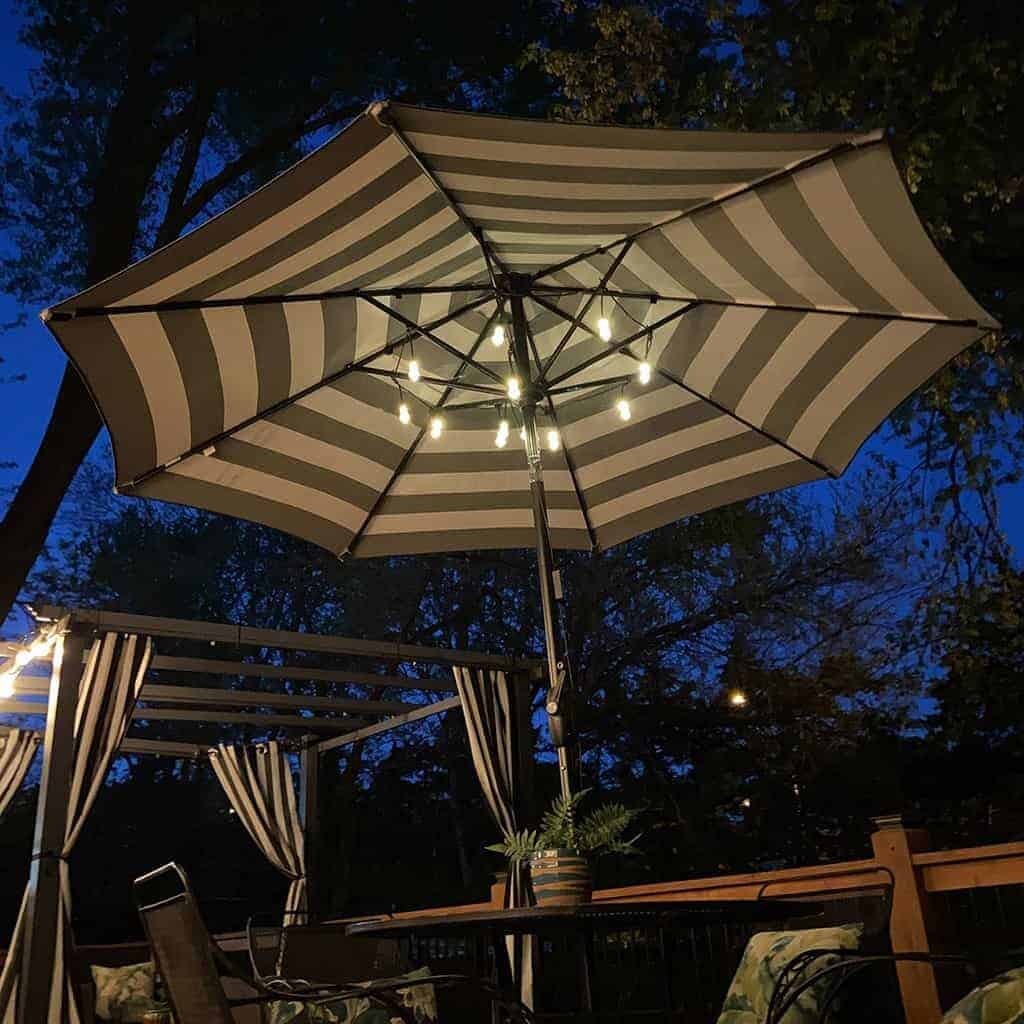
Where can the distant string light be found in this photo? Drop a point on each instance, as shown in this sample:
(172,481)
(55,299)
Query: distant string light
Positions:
(738,699)
(37,649)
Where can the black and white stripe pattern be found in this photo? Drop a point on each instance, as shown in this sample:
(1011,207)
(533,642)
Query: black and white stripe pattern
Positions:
(17,748)
(108,689)
(259,786)
(249,367)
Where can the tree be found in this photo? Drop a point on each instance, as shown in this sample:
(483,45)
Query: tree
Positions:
(143,119)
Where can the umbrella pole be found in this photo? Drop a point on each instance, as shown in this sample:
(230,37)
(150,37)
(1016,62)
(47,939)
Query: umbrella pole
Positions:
(557,703)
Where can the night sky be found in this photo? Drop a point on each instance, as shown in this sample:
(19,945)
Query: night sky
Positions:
(31,350)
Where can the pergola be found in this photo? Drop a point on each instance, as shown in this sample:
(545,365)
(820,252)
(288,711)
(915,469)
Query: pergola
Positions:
(321,723)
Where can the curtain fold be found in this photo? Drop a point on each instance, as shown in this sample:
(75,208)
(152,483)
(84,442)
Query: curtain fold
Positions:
(488,707)
(107,691)
(17,749)
(259,786)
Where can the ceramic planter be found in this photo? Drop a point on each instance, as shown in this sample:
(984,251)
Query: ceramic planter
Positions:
(561,878)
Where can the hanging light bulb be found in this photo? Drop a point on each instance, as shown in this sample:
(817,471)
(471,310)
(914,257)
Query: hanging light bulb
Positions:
(403,414)
(498,334)
(553,440)
(604,329)
(624,410)
(7,683)
(515,392)
(522,434)
(643,373)
(414,370)
(436,426)
(502,436)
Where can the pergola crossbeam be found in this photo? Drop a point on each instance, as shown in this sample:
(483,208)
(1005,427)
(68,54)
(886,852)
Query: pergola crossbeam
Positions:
(427,711)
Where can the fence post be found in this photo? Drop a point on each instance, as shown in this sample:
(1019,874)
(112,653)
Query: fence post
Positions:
(894,846)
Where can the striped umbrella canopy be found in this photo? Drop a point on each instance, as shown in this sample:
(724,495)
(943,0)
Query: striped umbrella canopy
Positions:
(779,286)
(688,318)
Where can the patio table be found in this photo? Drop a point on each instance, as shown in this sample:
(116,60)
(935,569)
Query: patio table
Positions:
(582,921)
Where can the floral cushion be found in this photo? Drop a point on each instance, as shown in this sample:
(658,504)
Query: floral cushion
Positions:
(361,1010)
(999,1001)
(123,993)
(767,953)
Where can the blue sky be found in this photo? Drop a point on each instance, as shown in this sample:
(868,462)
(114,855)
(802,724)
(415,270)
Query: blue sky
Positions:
(30,350)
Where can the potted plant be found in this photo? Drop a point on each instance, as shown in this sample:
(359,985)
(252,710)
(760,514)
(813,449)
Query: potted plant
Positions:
(559,853)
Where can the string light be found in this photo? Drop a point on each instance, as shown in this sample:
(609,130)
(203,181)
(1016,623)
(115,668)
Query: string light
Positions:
(522,434)
(403,414)
(498,334)
(604,329)
(414,370)
(625,412)
(643,373)
(436,426)
(738,699)
(502,437)
(22,658)
(745,802)
(553,440)
(515,392)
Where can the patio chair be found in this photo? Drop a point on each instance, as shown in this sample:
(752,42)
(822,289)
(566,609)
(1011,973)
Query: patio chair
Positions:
(192,965)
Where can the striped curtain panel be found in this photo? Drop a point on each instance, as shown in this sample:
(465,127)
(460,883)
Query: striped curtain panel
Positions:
(259,786)
(107,692)
(489,711)
(17,749)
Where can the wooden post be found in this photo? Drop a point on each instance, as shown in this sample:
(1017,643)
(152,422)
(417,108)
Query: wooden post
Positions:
(309,801)
(526,802)
(43,906)
(894,847)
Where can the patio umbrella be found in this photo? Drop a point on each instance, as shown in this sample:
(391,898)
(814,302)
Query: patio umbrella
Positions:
(446,331)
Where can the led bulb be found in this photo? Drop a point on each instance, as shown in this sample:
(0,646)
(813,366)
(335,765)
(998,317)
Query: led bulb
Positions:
(500,439)
(522,434)
(498,335)
(22,658)
(403,414)
(624,410)
(604,329)
(738,699)
(553,440)
(40,648)
(643,373)
(514,390)
(745,802)
(7,684)
(414,370)
(436,426)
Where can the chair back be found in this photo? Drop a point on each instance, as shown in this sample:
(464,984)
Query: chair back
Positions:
(182,949)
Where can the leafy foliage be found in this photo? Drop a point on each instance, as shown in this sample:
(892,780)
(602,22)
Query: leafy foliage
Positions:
(599,832)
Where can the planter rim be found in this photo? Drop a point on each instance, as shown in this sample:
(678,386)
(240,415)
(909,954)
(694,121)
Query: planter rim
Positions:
(565,852)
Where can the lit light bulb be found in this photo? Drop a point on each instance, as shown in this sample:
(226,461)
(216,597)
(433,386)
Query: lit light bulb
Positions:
(522,434)
(745,802)
(643,373)
(40,648)
(624,410)
(436,426)
(414,370)
(502,436)
(514,390)
(498,335)
(738,699)
(553,440)
(403,414)
(604,329)
(7,683)
(22,658)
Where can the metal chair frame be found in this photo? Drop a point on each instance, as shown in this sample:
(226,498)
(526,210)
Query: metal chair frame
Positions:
(268,989)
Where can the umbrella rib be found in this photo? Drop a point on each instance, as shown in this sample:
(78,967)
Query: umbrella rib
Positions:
(623,346)
(426,333)
(871,138)
(380,112)
(586,309)
(569,460)
(284,403)
(404,461)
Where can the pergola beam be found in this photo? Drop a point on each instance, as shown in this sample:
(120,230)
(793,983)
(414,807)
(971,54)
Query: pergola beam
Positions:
(427,711)
(238,635)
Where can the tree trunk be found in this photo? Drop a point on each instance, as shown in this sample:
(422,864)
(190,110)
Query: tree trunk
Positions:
(72,429)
